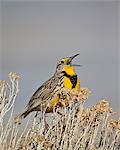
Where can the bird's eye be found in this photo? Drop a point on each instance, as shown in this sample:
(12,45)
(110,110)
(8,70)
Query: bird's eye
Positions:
(68,63)
(62,62)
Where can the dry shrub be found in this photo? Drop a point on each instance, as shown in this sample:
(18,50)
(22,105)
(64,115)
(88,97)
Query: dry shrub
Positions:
(72,128)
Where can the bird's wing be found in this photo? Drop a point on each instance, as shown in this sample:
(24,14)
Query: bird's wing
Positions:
(44,92)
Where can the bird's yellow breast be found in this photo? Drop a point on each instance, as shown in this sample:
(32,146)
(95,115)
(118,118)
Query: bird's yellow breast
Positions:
(68,84)
(67,79)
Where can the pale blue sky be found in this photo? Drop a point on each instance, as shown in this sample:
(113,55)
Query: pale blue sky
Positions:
(35,35)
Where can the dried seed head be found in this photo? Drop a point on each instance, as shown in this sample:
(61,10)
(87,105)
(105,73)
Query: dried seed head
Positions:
(80,95)
(114,124)
(14,75)
(101,107)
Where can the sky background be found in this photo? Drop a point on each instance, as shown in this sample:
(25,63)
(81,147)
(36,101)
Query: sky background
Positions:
(35,35)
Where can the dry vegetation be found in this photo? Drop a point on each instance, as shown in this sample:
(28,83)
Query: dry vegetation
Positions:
(77,128)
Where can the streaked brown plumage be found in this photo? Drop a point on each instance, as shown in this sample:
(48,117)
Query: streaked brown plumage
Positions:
(47,95)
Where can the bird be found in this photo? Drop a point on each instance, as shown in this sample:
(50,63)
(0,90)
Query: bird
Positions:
(48,95)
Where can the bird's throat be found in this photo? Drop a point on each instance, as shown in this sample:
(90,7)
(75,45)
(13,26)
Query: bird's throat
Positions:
(69,70)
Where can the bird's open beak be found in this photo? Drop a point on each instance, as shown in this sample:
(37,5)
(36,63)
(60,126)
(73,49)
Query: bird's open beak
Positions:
(71,58)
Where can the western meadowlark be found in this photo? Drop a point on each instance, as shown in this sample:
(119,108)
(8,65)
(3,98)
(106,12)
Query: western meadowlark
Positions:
(48,94)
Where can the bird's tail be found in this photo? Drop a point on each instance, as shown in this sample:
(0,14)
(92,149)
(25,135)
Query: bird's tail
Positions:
(21,116)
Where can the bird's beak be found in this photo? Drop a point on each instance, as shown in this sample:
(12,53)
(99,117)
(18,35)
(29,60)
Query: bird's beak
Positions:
(71,58)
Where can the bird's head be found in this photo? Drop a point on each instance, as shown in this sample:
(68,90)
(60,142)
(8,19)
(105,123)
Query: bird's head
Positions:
(67,61)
